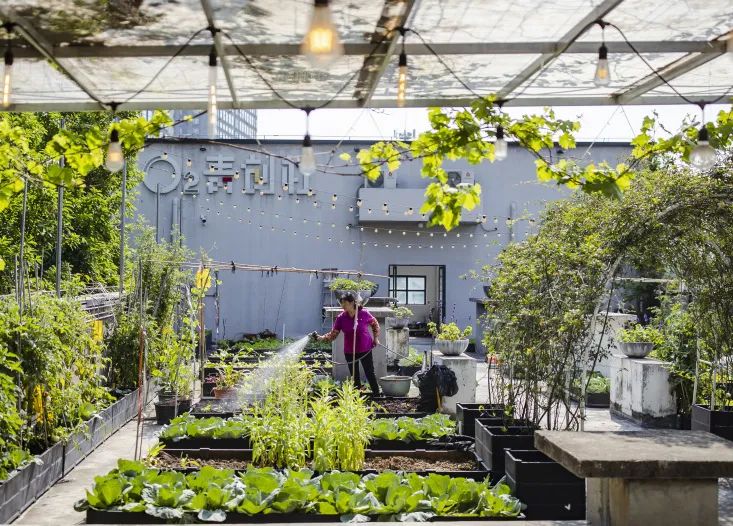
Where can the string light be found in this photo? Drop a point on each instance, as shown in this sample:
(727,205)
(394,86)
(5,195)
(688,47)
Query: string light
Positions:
(402,74)
(703,155)
(321,44)
(164,156)
(501,148)
(115,158)
(602,76)
(334,198)
(310,192)
(188,163)
(307,162)
(211,111)
(285,187)
(358,203)
(333,206)
(8,72)
(384,207)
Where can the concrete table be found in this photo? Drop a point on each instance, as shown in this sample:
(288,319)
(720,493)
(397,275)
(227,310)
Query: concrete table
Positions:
(644,477)
(340,370)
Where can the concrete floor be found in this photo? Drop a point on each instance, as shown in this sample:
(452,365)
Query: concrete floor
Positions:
(55,507)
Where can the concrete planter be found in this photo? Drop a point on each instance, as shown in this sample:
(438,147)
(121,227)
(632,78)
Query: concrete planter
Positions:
(26,485)
(397,323)
(636,349)
(451,347)
(549,490)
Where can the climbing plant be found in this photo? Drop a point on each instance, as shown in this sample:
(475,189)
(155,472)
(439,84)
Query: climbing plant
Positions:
(469,134)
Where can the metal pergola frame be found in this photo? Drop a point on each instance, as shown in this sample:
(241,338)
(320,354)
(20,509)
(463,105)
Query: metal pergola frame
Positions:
(379,51)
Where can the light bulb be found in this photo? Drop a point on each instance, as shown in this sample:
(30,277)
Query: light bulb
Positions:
(358,203)
(211,110)
(321,44)
(402,81)
(334,197)
(307,163)
(603,74)
(501,148)
(285,187)
(115,159)
(8,78)
(703,155)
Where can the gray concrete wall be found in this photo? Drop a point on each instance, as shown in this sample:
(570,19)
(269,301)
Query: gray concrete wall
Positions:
(247,227)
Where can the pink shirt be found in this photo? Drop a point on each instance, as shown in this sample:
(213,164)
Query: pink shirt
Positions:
(364,339)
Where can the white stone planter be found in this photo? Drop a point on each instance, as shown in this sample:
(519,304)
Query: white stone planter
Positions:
(451,347)
(636,349)
(397,323)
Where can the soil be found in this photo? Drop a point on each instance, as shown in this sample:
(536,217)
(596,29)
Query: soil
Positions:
(403,463)
(398,406)
(397,463)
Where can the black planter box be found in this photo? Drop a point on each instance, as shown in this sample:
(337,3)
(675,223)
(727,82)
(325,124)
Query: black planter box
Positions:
(717,422)
(549,490)
(466,415)
(140,517)
(492,441)
(167,411)
(598,400)
(27,484)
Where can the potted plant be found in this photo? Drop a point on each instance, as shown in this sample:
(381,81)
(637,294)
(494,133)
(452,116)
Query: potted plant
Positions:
(400,318)
(450,340)
(227,377)
(361,288)
(411,363)
(174,373)
(638,340)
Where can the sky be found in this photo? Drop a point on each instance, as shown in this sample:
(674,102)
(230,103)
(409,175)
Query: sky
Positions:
(598,123)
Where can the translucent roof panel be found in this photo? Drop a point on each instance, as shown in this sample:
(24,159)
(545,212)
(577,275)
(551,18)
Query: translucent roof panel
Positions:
(62,22)
(530,52)
(498,21)
(659,20)
(286,21)
(428,78)
(705,82)
(572,74)
(294,78)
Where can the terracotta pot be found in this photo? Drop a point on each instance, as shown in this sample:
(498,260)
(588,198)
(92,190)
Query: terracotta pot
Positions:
(226,393)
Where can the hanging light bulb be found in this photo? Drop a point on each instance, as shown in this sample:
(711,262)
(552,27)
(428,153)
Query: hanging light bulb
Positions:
(602,76)
(307,163)
(115,159)
(8,76)
(310,192)
(334,197)
(703,155)
(285,187)
(189,163)
(321,44)
(402,78)
(211,109)
(384,207)
(501,148)
(358,203)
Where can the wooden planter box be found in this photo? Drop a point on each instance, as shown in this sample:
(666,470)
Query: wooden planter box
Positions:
(492,441)
(549,490)
(466,415)
(717,422)
(27,484)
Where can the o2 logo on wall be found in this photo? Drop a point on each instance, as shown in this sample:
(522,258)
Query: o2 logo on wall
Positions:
(161,176)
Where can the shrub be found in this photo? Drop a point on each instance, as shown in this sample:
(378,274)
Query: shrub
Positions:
(351,285)
(449,331)
(641,333)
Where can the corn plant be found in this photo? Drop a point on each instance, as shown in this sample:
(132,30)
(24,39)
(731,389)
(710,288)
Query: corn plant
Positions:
(353,431)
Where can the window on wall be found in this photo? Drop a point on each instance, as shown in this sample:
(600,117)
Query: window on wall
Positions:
(409,290)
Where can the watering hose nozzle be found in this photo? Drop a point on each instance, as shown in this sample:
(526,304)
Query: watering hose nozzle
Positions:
(314,335)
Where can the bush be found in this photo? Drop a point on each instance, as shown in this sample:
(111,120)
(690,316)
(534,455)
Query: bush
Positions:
(449,331)
(641,333)
(351,285)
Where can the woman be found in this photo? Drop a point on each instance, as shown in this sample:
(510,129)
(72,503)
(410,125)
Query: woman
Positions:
(361,349)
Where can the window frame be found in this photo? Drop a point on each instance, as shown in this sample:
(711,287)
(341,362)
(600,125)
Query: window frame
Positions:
(393,290)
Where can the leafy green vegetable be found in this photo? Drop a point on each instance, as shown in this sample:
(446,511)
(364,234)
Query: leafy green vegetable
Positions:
(211,493)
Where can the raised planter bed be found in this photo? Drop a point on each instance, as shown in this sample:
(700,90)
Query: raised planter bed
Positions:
(717,422)
(598,400)
(395,407)
(549,490)
(466,415)
(27,484)
(206,408)
(492,441)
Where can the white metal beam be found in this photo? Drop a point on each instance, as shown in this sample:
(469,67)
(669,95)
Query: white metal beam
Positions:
(662,100)
(361,49)
(564,42)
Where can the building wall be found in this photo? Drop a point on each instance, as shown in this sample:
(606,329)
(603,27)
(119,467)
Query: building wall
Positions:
(244,220)
(230,124)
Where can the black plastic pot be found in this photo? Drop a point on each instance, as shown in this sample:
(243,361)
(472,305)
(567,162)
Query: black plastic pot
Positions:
(598,400)
(492,441)
(466,415)
(717,422)
(167,410)
(549,490)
